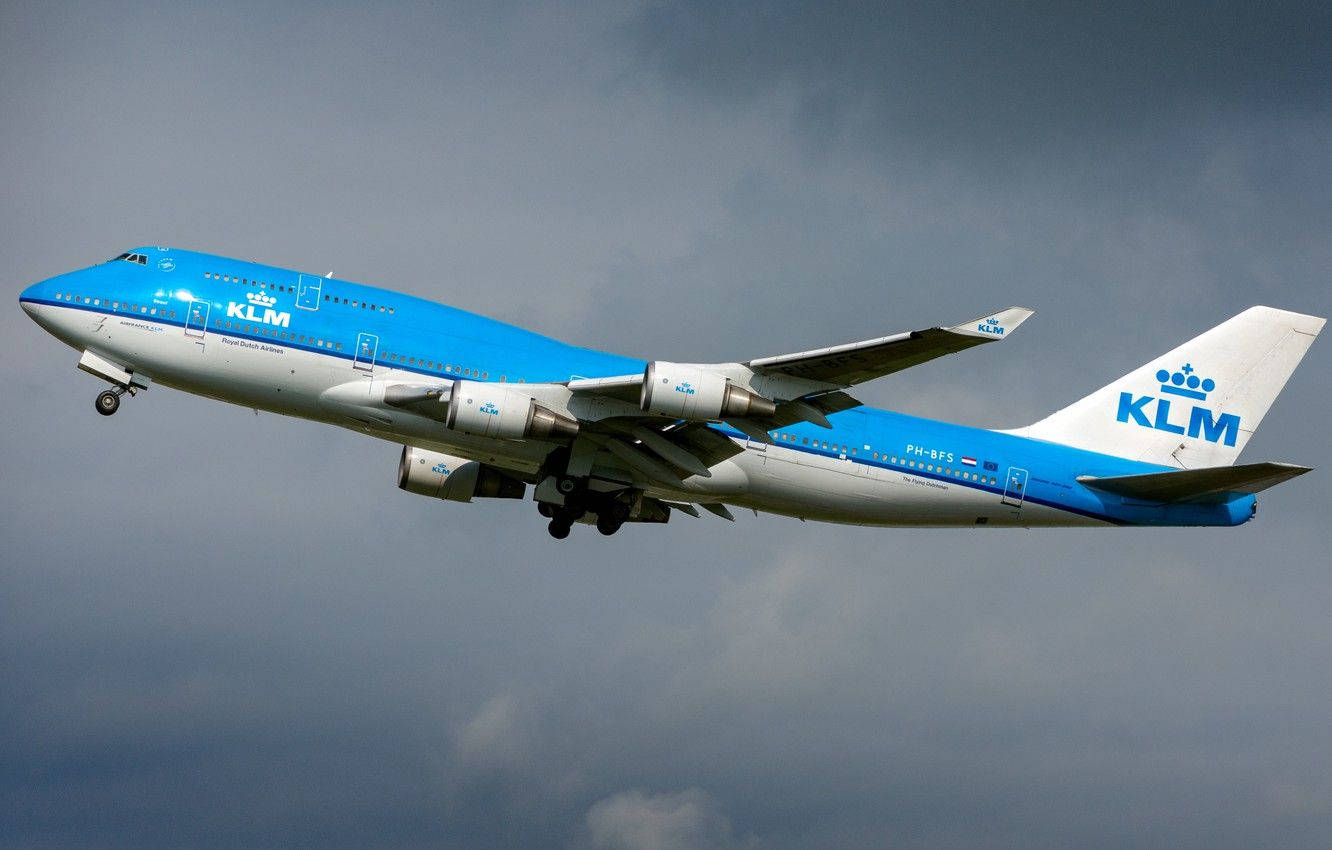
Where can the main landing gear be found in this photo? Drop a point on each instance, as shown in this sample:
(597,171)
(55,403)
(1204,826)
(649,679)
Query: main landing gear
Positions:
(561,522)
(609,519)
(610,509)
(108,401)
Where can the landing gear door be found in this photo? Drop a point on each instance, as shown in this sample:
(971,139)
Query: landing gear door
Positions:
(308,288)
(1015,487)
(366,346)
(196,319)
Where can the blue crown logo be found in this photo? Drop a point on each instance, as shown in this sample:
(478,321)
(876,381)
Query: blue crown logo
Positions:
(1185,383)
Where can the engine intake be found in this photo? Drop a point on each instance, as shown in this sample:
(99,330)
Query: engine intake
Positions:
(499,410)
(689,392)
(443,476)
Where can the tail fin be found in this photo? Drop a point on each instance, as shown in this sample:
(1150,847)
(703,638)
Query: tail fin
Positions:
(1197,405)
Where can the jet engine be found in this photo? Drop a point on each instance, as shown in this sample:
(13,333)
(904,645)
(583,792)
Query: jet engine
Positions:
(458,479)
(689,392)
(502,410)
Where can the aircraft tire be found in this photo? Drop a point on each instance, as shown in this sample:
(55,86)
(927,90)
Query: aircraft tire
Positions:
(107,402)
(558,528)
(608,525)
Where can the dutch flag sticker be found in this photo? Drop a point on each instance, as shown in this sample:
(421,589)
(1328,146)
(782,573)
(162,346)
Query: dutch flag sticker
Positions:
(969,461)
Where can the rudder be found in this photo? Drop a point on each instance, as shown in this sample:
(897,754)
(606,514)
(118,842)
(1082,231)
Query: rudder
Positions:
(1196,405)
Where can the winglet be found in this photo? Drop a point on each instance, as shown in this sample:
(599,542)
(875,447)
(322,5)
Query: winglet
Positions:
(995,326)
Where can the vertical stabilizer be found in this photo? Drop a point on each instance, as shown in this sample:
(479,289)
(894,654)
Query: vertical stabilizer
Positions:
(1197,405)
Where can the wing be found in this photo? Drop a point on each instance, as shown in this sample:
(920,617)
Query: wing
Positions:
(609,418)
(839,366)
(857,362)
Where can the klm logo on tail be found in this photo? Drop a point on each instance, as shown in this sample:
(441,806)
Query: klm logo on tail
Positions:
(1183,384)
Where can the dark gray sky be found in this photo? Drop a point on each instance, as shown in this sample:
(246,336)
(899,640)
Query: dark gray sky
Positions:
(222,629)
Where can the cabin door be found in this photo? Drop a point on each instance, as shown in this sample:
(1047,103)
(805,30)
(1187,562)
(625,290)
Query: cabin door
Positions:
(308,288)
(366,347)
(1015,487)
(196,319)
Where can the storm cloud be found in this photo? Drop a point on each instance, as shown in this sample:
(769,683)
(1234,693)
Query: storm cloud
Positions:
(219,628)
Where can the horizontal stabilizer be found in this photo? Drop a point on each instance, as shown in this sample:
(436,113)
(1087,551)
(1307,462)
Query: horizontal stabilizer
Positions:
(1213,484)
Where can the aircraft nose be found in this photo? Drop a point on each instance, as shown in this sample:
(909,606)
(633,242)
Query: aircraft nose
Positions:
(28,299)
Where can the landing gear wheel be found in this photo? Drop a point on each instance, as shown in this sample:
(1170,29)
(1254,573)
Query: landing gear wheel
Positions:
(107,402)
(608,525)
(558,528)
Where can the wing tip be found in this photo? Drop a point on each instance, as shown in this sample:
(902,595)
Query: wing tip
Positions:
(994,326)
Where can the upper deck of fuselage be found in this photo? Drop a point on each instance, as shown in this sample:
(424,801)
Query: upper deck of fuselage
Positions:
(413,333)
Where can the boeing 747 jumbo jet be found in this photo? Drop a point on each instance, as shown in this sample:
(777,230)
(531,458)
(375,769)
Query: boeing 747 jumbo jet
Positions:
(486,409)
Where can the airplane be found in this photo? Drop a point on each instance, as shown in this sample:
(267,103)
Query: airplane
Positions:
(485,409)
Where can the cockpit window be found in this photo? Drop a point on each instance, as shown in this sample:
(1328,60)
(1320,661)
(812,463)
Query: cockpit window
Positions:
(141,259)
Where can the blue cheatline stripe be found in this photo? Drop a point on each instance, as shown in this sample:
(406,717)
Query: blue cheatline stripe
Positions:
(974,485)
(728,432)
(231,332)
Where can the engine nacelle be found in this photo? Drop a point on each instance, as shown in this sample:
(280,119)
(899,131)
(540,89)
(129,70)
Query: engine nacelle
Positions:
(502,410)
(442,476)
(689,392)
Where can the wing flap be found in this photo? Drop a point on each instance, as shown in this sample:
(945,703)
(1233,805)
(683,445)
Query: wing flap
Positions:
(1210,485)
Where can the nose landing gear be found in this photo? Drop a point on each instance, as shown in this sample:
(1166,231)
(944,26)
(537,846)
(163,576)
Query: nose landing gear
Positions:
(108,401)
